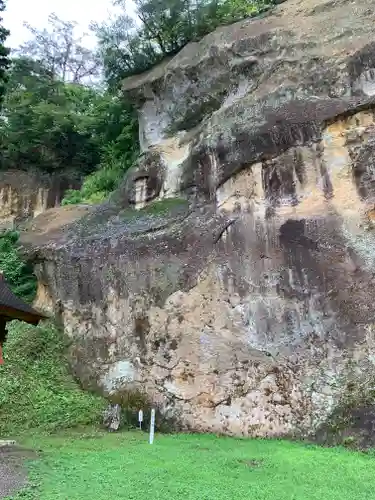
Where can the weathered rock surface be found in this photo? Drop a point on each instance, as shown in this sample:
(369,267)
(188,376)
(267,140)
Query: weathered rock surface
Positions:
(25,194)
(248,308)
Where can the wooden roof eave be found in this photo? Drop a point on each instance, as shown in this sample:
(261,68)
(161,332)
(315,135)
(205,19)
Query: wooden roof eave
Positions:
(9,314)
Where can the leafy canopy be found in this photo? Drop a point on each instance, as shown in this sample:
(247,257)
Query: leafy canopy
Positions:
(47,125)
(58,127)
(4,54)
(162,27)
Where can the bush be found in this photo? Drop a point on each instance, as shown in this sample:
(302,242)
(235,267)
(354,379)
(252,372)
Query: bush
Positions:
(98,185)
(17,273)
(37,391)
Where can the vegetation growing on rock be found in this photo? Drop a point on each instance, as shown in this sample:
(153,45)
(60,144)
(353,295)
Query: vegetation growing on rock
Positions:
(156,208)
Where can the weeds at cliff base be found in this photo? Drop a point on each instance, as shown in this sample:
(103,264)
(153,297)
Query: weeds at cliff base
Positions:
(37,390)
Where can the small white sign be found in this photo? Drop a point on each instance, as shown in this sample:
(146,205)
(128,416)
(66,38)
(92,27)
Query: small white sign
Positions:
(140,418)
(152,426)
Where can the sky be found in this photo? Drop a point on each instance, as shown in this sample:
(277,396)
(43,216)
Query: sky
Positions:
(36,13)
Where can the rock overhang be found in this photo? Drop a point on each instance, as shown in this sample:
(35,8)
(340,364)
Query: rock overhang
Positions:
(258,57)
(297,123)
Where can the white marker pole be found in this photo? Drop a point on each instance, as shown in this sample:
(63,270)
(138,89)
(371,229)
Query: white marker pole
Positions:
(140,418)
(152,426)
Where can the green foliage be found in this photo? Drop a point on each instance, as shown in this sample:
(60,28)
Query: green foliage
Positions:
(119,132)
(4,53)
(47,123)
(349,441)
(36,390)
(164,28)
(18,274)
(54,123)
(62,127)
(96,187)
(101,466)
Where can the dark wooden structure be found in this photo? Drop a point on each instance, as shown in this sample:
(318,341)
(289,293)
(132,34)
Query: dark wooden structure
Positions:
(11,307)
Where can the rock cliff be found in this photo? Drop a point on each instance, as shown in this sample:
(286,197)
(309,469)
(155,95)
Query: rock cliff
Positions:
(28,194)
(231,277)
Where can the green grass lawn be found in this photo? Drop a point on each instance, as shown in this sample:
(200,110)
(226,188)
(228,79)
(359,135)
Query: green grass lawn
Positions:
(104,466)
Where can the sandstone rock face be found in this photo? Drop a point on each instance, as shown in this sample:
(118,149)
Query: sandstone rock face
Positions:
(240,297)
(24,195)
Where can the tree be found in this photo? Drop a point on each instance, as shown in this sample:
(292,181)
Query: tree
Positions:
(4,53)
(164,28)
(116,129)
(166,22)
(61,52)
(47,124)
(65,128)
(54,123)
(123,49)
